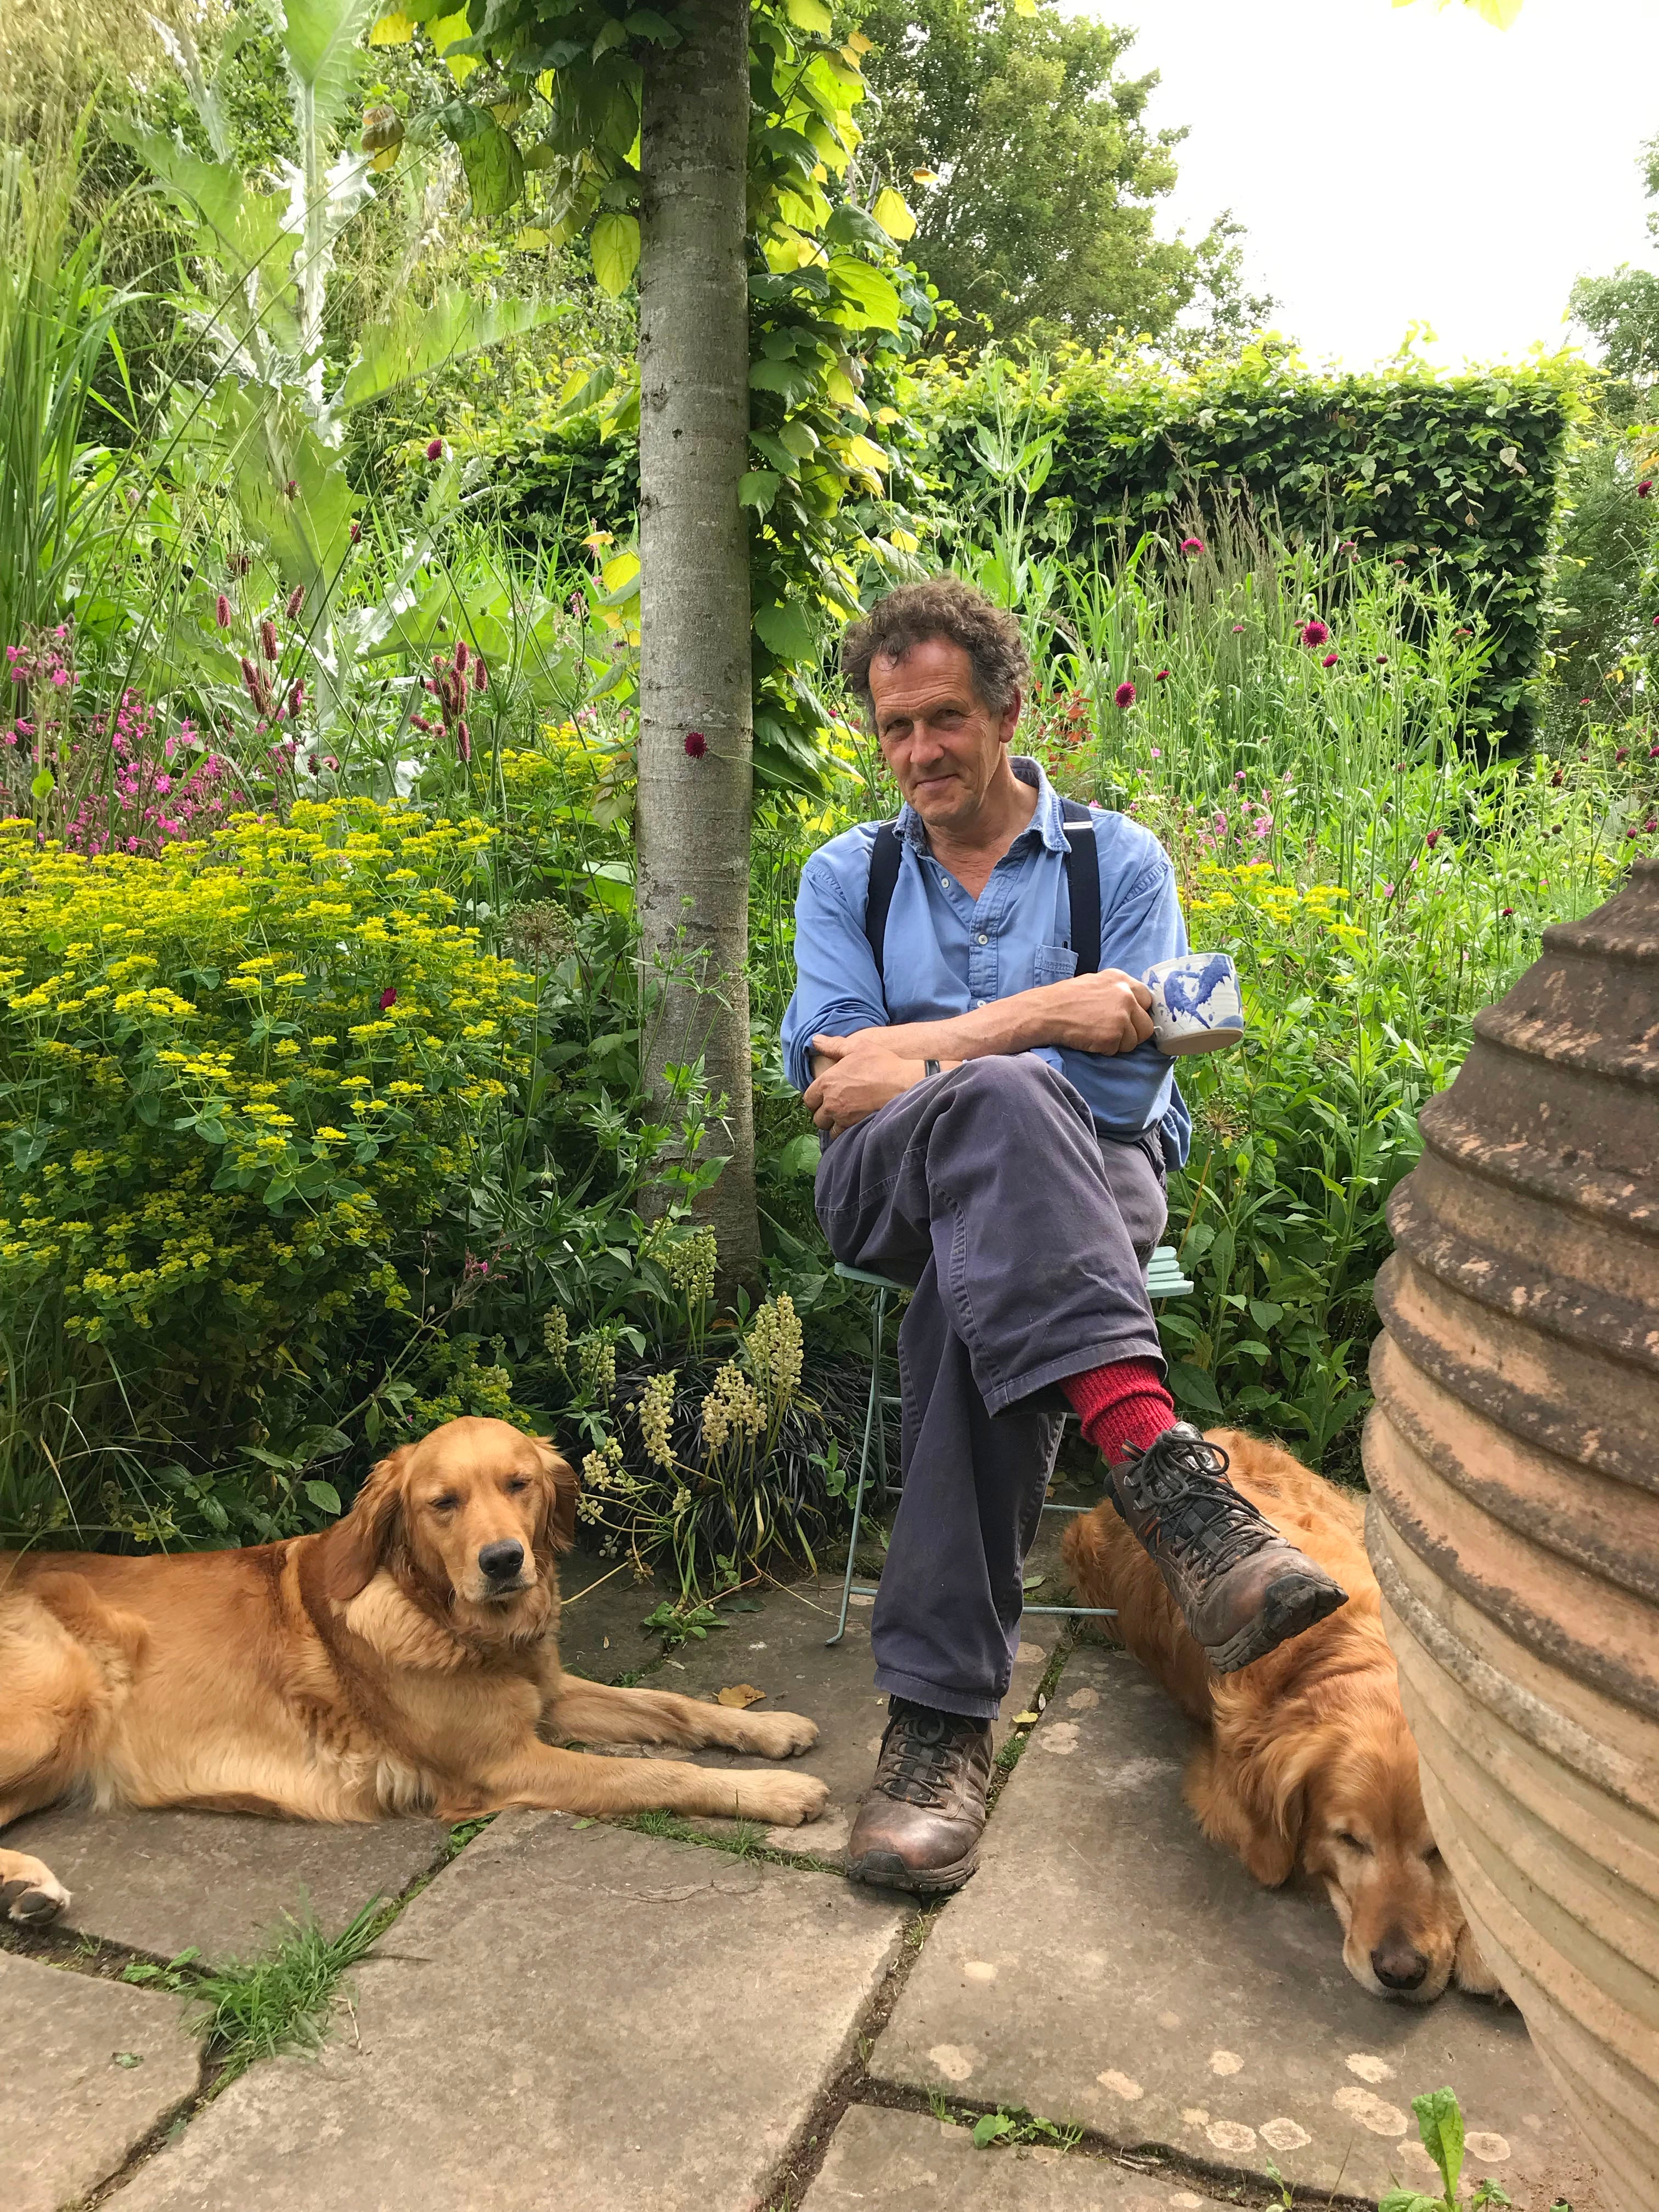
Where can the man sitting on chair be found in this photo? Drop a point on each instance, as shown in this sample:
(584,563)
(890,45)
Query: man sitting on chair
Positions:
(997,1128)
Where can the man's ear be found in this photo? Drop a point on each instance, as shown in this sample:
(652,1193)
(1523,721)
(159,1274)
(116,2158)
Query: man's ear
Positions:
(357,1545)
(559,1527)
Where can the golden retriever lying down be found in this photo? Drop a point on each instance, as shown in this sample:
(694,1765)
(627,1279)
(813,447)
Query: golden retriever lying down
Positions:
(1309,1765)
(405,1661)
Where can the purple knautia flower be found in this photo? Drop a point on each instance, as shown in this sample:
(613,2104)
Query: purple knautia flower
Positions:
(1314,632)
(388,997)
(1433,839)
(1191,546)
(696,745)
(435,451)
(1506,914)
(1124,695)
(1162,676)
(1329,661)
(1236,628)
(356,533)
(1622,754)
(1645,488)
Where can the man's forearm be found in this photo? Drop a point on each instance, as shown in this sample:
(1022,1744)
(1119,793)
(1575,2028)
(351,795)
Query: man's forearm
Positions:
(1004,1025)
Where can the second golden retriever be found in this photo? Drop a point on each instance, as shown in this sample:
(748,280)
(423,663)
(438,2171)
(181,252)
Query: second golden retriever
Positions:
(1309,1764)
(405,1661)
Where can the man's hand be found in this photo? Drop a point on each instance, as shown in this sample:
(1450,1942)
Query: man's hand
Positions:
(854,1078)
(1104,1012)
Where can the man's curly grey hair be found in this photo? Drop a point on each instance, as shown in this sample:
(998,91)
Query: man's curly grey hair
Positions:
(946,607)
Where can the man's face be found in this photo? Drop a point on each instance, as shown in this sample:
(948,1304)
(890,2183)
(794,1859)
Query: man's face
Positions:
(942,742)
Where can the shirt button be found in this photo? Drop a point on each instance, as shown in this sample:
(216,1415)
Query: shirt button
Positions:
(984,940)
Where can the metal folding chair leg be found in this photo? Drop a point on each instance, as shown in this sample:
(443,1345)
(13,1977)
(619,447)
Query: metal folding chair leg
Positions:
(873,1427)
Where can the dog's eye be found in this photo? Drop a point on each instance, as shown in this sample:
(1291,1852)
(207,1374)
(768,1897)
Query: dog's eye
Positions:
(1354,1842)
(519,1482)
(447,1503)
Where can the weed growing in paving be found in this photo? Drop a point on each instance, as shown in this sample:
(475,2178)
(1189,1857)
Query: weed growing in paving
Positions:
(281,2001)
(1005,2126)
(1440,2124)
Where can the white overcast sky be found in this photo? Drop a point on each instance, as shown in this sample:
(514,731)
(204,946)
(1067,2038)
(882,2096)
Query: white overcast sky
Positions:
(1394,165)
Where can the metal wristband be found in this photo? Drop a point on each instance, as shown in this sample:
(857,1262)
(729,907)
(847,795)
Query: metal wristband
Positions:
(930,1067)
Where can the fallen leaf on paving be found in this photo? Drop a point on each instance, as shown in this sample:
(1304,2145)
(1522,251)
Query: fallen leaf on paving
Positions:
(1024,1720)
(739,1693)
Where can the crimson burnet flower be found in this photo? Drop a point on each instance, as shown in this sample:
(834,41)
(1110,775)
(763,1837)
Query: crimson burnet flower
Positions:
(1506,914)
(480,673)
(435,451)
(222,612)
(464,741)
(1645,488)
(356,533)
(1623,754)
(1329,661)
(461,656)
(291,488)
(1630,833)
(296,697)
(1192,545)
(296,599)
(1124,695)
(1652,822)
(1314,632)
(388,997)
(696,745)
(268,638)
(1433,839)
(1555,780)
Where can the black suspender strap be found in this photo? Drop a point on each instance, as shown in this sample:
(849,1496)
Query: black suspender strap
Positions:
(1083,884)
(885,855)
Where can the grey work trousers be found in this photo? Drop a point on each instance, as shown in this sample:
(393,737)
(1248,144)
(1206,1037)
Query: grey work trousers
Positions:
(1026,1238)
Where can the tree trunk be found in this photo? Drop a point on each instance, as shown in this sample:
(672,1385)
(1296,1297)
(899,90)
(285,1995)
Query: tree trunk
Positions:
(694,806)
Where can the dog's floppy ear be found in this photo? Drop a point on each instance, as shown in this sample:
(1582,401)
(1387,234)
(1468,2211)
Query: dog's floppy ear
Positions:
(1249,1789)
(357,1545)
(559,1529)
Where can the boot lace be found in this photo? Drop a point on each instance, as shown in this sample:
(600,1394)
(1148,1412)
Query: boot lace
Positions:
(1201,1518)
(922,1767)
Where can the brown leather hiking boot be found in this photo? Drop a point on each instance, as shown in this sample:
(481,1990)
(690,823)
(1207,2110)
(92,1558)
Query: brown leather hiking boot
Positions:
(920,1824)
(1240,1587)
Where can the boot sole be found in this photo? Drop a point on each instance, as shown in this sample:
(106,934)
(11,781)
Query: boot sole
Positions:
(1294,1603)
(886,1870)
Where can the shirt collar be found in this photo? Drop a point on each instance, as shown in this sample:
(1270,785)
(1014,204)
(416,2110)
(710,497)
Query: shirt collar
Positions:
(1045,823)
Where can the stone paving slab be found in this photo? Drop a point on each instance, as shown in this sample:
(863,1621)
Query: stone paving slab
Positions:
(885,2161)
(219,1882)
(571,2015)
(90,2068)
(781,1649)
(601,1607)
(1109,1966)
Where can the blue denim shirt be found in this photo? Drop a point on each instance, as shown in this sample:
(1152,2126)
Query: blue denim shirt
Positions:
(946,953)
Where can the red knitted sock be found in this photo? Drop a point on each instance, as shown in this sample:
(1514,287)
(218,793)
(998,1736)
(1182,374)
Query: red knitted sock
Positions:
(1123,1408)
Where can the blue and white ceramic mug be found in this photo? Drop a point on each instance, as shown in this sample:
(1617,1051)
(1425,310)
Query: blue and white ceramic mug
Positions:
(1196,1004)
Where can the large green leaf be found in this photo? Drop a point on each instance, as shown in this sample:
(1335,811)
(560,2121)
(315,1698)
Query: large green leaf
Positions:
(421,340)
(493,165)
(615,251)
(320,41)
(786,630)
(869,301)
(247,229)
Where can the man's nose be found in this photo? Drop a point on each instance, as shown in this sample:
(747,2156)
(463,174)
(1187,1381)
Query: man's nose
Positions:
(501,1562)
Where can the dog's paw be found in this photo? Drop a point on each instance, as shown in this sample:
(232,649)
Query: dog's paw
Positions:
(778,1735)
(785,1800)
(31,1893)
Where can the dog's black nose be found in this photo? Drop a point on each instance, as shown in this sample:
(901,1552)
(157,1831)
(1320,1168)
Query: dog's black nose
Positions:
(1399,1965)
(501,1562)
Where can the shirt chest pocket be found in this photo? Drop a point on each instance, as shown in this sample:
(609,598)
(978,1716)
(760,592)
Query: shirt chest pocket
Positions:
(1054,962)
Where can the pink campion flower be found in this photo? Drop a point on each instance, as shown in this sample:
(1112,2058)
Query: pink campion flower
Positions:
(1314,632)
(1157,752)
(388,997)
(222,612)
(296,599)
(1124,695)
(1192,545)
(1221,825)
(1329,661)
(1262,826)
(696,745)
(1433,839)
(1238,775)
(435,451)
(1387,890)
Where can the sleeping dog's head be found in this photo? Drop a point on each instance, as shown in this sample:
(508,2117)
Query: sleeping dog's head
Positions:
(468,1522)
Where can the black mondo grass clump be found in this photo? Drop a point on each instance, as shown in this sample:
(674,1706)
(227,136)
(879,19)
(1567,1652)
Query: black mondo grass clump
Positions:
(734,1460)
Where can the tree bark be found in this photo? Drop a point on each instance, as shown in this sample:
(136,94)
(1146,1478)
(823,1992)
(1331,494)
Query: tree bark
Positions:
(693,824)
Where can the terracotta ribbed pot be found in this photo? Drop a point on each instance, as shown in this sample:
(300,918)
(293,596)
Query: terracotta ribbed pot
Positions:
(1514,1462)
